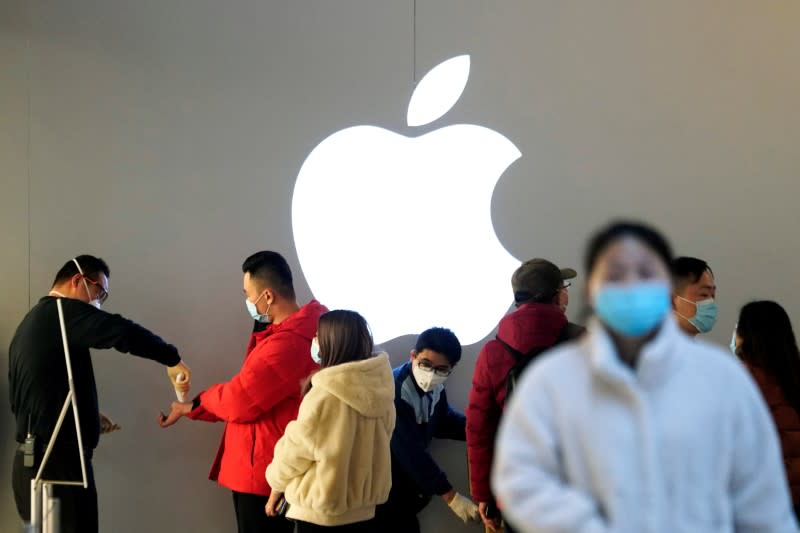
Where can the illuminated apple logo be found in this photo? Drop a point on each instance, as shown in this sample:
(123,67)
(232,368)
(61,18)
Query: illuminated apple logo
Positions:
(400,228)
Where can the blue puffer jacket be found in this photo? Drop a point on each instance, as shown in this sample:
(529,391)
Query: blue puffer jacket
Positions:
(421,417)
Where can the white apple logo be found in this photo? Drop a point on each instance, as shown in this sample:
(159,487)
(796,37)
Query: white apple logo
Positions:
(400,228)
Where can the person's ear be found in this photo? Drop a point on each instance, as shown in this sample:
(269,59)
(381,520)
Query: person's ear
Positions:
(269,296)
(413,354)
(75,280)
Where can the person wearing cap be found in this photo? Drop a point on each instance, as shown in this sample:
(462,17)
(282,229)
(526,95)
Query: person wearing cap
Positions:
(538,322)
(572,331)
(38,385)
(422,414)
(693,299)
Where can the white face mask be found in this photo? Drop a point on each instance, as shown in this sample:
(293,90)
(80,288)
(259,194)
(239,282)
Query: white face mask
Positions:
(95,302)
(426,378)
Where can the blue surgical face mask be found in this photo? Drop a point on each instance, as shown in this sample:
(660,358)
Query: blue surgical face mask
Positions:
(634,309)
(253,310)
(706,315)
(315,351)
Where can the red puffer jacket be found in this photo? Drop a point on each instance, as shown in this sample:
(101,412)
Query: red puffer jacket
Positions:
(531,326)
(787,420)
(259,401)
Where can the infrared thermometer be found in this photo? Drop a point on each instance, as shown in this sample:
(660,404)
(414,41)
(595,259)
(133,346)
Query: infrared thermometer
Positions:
(180,379)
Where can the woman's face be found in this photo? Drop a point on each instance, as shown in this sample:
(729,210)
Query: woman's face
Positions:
(627,261)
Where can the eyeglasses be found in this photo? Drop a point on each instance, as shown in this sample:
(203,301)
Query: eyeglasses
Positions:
(103,294)
(442,371)
(567,285)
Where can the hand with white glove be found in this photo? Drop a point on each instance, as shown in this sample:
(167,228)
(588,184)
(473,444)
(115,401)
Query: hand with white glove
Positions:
(182,385)
(465,509)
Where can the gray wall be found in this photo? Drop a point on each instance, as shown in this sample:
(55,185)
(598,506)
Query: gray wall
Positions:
(13,223)
(166,137)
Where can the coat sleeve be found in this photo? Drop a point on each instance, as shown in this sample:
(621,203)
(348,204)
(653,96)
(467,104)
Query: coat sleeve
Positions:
(450,424)
(410,451)
(526,474)
(200,413)
(759,490)
(294,452)
(483,417)
(271,373)
(95,328)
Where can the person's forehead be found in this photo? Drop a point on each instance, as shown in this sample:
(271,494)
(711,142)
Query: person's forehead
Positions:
(705,283)
(626,251)
(435,358)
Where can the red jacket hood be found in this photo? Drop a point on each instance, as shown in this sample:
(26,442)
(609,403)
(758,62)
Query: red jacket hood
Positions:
(532,325)
(303,322)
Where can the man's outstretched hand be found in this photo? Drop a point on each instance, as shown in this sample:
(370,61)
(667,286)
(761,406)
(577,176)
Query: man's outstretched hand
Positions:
(178,410)
(107,425)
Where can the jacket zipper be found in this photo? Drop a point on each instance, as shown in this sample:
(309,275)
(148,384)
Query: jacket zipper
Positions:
(253,446)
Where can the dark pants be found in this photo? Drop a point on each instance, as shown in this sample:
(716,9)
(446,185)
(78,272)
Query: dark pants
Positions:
(359,527)
(78,505)
(252,518)
(399,513)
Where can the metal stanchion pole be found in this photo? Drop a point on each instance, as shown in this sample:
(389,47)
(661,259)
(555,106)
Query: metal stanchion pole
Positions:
(45,515)
(36,508)
(51,515)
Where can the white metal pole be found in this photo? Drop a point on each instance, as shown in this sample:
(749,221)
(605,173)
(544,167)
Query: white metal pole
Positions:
(72,391)
(56,431)
(36,509)
(42,500)
(46,507)
(51,515)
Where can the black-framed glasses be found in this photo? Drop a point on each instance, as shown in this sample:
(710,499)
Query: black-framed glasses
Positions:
(103,294)
(442,371)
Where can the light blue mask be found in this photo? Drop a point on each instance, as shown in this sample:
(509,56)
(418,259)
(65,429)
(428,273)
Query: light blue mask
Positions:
(253,310)
(632,310)
(315,351)
(706,315)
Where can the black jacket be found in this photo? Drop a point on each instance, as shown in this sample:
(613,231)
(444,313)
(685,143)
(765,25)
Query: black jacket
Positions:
(37,372)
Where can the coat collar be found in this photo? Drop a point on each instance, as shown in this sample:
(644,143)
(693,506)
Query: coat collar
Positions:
(657,360)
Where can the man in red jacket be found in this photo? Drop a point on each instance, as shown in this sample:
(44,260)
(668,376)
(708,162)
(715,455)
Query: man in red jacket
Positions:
(259,401)
(537,324)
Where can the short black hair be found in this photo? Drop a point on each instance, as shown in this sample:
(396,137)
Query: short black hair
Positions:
(688,270)
(92,268)
(272,270)
(648,235)
(440,340)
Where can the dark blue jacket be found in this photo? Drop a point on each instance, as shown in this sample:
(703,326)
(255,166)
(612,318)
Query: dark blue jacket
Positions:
(421,417)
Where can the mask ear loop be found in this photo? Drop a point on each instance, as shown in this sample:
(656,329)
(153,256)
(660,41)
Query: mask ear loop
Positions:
(83,277)
(687,301)
(80,270)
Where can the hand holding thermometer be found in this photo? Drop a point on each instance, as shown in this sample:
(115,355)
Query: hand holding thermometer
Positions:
(180,379)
